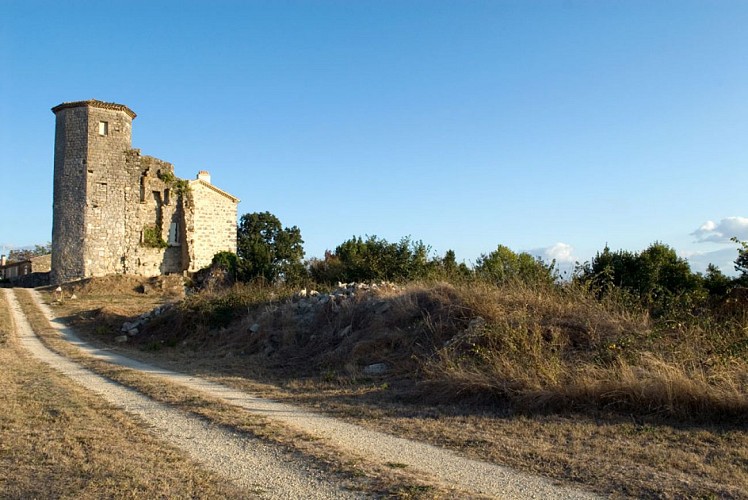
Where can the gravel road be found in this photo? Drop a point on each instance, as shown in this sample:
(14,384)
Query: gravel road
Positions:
(431,463)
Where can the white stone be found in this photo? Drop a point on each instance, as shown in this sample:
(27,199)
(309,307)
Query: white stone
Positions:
(376,369)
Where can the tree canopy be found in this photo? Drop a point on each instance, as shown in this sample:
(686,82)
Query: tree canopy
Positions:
(27,253)
(503,265)
(265,249)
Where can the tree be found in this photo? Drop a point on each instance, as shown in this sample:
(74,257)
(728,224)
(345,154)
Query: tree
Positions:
(265,249)
(27,253)
(716,283)
(503,266)
(656,276)
(741,263)
(447,268)
(372,259)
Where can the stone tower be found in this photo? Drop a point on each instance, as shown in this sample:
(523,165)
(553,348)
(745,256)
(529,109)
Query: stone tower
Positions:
(117,211)
(90,177)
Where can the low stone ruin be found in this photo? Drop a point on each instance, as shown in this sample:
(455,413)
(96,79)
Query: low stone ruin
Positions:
(133,328)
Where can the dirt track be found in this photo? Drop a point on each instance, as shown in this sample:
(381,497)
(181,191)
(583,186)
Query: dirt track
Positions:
(284,477)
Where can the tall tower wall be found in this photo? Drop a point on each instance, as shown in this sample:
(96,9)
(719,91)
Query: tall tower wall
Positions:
(89,184)
(108,181)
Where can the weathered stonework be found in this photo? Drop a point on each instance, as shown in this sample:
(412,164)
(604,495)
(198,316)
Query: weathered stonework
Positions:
(117,211)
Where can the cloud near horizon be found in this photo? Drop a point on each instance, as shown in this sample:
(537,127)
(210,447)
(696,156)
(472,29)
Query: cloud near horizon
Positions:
(724,259)
(563,253)
(722,231)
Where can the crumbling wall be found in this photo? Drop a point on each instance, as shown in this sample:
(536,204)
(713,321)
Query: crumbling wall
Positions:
(153,209)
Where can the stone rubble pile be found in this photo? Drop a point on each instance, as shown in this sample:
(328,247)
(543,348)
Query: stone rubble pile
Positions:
(306,300)
(305,303)
(132,328)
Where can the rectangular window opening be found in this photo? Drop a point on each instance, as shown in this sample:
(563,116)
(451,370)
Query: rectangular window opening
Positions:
(142,189)
(174,234)
(103,128)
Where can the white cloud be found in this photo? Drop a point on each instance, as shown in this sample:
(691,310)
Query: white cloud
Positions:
(722,231)
(723,259)
(563,253)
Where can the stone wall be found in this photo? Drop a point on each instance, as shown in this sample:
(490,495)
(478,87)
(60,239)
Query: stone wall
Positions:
(152,204)
(69,198)
(107,183)
(213,224)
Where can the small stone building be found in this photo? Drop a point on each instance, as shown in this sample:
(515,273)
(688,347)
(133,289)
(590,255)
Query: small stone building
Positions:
(15,270)
(118,211)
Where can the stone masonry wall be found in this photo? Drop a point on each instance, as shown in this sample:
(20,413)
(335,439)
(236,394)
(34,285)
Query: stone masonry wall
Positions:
(69,197)
(151,203)
(107,184)
(213,227)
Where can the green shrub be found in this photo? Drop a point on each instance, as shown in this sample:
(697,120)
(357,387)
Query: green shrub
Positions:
(152,238)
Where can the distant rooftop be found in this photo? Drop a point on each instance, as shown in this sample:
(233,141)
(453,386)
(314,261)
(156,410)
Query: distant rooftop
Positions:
(95,104)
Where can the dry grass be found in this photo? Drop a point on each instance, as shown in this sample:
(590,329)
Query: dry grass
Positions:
(57,441)
(548,349)
(357,473)
(547,381)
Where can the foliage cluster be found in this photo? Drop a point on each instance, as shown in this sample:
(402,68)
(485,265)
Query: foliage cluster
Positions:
(180,186)
(27,253)
(655,278)
(376,259)
(267,250)
(152,237)
(503,266)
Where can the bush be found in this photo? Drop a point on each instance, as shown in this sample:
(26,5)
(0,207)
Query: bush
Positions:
(373,259)
(504,266)
(152,238)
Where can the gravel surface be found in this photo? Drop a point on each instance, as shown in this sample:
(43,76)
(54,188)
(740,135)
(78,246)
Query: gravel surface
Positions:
(256,467)
(430,462)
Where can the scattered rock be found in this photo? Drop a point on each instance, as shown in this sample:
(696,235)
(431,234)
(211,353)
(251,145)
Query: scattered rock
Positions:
(376,369)
(254,328)
(345,331)
(476,324)
(120,339)
(383,307)
(133,332)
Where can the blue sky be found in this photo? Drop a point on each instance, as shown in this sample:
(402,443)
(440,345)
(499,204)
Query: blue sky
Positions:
(548,126)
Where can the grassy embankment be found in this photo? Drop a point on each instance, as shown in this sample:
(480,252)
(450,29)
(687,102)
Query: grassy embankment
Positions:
(549,380)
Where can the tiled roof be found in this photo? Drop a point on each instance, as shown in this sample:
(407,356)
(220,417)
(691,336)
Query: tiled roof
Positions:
(95,104)
(211,186)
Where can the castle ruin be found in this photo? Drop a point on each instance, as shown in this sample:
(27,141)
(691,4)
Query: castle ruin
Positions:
(117,211)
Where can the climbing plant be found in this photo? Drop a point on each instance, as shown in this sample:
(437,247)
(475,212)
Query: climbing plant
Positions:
(152,238)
